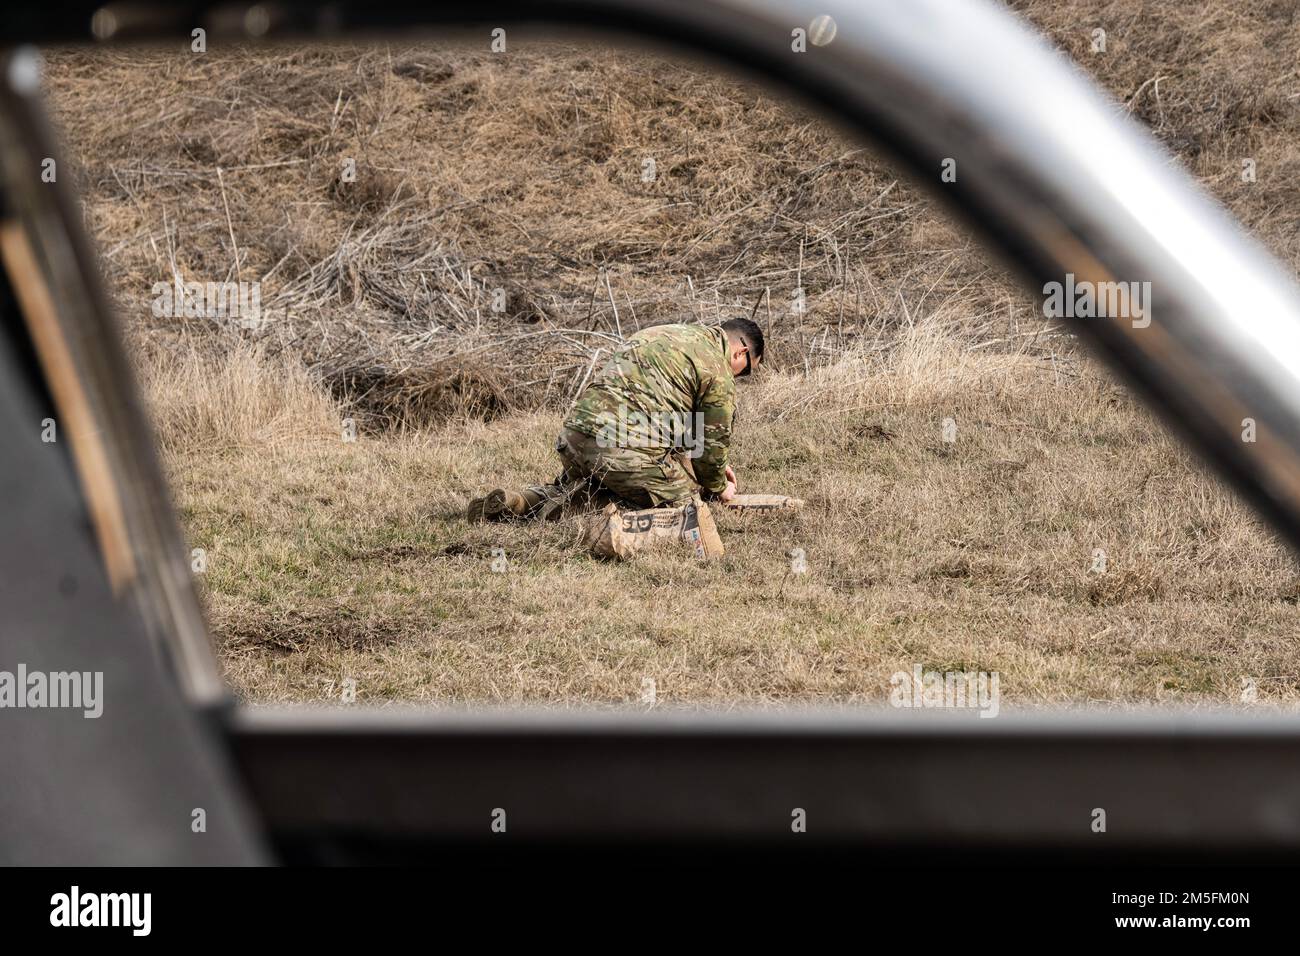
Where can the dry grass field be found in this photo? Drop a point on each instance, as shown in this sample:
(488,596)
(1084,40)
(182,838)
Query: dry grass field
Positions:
(331,559)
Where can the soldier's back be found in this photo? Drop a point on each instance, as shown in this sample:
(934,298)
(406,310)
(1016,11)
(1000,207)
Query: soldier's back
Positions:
(661,370)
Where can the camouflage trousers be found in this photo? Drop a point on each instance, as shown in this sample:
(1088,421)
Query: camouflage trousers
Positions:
(645,477)
(592,478)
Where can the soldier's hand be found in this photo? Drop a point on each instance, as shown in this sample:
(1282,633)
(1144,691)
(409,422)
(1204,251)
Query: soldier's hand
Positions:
(729,492)
(731,477)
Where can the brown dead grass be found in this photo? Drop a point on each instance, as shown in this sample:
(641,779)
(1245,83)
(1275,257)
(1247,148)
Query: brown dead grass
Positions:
(330,560)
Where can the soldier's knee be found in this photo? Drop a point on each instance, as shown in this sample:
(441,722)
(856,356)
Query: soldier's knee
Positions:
(671,489)
(576,453)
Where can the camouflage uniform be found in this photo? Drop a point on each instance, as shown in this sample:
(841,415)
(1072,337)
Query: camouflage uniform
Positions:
(667,394)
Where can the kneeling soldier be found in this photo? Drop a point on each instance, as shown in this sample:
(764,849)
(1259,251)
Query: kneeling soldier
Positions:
(653,424)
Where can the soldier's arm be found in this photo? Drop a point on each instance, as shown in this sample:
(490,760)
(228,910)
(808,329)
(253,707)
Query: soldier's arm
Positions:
(717,408)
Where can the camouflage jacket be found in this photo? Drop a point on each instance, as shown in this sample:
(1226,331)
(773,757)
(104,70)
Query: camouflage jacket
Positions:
(669,388)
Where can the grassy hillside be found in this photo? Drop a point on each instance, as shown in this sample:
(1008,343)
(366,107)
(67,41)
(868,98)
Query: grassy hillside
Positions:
(523,172)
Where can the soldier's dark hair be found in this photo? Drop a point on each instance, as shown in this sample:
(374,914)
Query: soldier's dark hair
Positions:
(748,332)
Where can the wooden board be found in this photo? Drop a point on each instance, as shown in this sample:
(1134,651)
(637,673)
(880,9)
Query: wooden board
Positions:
(764,503)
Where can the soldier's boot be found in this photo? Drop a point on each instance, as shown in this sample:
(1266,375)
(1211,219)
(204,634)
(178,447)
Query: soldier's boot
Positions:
(545,502)
(564,498)
(534,498)
(494,506)
(501,504)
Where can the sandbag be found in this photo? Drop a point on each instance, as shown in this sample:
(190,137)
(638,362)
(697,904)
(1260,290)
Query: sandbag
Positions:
(620,535)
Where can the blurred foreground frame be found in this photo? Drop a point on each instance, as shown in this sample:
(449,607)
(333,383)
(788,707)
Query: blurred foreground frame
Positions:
(95,577)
